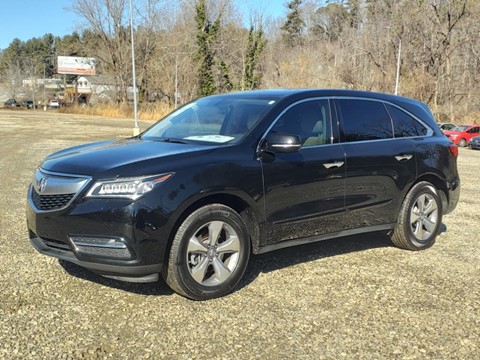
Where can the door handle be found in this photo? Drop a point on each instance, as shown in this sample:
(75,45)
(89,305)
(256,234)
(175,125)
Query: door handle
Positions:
(336,164)
(403,157)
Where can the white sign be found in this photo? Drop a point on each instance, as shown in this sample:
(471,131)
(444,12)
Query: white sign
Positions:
(76,65)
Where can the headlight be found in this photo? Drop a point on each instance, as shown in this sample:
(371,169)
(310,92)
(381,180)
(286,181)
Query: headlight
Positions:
(130,188)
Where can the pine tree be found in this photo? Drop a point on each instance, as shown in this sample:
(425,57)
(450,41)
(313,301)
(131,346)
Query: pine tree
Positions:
(255,45)
(292,29)
(226,84)
(207,33)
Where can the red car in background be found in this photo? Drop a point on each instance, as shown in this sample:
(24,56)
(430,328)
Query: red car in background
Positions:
(462,134)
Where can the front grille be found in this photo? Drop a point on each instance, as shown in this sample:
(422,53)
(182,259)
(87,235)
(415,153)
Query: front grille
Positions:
(50,202)
(55,191)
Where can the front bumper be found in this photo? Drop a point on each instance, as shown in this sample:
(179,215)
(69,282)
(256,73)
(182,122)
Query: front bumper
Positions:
(119,239)
(145,273)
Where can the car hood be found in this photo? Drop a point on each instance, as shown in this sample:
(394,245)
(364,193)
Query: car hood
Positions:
(126,157)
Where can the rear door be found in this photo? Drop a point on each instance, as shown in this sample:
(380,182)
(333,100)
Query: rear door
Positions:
(380,166)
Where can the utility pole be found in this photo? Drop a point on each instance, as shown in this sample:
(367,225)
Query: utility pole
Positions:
(176,81)
(136,129)
(44,95)
(399,57)
(397,79)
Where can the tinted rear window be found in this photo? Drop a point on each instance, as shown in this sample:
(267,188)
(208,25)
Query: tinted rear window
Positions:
(364,120)
(404,125)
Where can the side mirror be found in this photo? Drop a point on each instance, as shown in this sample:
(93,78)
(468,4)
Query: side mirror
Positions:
(283,143)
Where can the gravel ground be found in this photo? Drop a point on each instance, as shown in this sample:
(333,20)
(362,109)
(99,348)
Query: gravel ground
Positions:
(355,298)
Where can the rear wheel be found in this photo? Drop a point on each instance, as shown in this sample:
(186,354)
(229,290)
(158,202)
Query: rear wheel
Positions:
(419,219)
(209,253)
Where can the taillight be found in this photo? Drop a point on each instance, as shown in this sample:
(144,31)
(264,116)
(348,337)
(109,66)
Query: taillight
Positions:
(454,150)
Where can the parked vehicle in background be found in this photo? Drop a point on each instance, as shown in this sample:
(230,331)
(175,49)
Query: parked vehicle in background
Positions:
(446,126)
(461,134)
(54,104)
(233,174)
(28,104)
(474,142)
(10,103)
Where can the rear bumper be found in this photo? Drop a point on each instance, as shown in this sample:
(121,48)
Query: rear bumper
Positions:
(453,196)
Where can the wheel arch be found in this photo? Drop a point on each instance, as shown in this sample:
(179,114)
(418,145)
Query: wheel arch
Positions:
(440,185)
(237,203)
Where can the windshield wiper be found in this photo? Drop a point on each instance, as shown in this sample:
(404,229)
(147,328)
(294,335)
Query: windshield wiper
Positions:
(170,140)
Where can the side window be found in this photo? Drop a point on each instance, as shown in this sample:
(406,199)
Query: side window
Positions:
(310,120)
(364,120)
(404,125)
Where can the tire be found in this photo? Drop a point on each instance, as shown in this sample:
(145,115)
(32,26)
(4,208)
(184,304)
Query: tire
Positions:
(419,219)
(209,253)
(462,143)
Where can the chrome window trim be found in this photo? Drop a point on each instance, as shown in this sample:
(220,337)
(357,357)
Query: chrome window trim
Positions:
(430,131)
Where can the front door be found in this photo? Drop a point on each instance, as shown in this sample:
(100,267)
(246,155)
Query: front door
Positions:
(304,190)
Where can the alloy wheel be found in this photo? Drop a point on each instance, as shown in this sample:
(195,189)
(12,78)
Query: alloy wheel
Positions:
(213,253)
(424,217)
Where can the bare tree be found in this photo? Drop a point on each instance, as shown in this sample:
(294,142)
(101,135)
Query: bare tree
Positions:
(13,79)
(106,19)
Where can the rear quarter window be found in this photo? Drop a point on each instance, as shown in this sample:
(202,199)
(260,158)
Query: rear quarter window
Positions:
(404,125)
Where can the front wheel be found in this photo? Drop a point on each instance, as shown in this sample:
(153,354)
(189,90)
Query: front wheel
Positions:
(209,253)
(419,219)
(462,143)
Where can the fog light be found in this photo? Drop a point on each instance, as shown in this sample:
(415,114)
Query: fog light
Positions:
(111,247)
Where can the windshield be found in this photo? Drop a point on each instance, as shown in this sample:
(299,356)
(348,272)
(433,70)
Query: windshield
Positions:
(460,128)
(216,119)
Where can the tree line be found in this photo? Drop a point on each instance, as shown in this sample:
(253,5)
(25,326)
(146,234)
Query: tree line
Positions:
(190,48)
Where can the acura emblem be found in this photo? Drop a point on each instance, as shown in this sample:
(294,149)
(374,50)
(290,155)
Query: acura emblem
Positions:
(42,184)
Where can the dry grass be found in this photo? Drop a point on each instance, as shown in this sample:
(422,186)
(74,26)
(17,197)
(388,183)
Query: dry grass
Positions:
(148,111)
(470,119)
(154,111)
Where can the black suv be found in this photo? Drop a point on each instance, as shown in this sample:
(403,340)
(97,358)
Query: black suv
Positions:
(229,175)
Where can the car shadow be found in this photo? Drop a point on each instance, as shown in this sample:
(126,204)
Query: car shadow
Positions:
(155,288)
(443,229)
(258,264)
(283,258)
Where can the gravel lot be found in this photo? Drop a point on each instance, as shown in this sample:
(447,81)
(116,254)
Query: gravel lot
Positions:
(356,298)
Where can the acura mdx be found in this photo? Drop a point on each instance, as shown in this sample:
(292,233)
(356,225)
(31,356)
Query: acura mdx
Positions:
(231,175)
